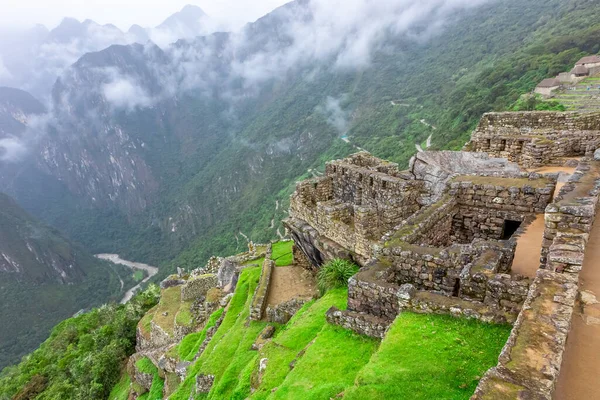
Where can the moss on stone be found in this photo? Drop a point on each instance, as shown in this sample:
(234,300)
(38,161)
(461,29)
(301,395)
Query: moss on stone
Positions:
(170,302)
(146,366)
(145,322)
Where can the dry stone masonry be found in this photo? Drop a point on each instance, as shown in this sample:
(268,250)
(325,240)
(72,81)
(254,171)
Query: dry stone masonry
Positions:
(441,237)
(536,139)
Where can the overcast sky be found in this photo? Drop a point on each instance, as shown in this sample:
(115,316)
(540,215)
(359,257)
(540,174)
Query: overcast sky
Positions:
(124,13)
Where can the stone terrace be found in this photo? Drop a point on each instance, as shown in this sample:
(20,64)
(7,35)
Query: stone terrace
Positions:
(535,139)
(458,248)
(450,247)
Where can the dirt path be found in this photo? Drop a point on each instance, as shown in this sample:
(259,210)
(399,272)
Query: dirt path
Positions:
(290,282)
(527,254)
(114,258)
(580,370)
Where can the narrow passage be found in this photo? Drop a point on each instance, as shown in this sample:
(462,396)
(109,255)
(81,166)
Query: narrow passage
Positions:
(581,362)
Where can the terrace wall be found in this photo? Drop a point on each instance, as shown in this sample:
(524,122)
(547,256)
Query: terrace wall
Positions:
(534,139)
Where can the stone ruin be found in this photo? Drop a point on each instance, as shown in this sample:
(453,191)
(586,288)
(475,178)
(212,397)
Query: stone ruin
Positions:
(445,227)
(537,139)
(441,236)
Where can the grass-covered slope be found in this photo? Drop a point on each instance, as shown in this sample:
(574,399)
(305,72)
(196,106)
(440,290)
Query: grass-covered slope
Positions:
(430,357)
(422,357)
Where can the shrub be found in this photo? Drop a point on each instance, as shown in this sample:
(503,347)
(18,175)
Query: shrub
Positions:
(335,274)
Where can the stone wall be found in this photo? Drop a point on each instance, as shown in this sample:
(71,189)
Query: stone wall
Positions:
(568,221)
(317,248)
(358,200)
(536,138)
(430,226)
(367,294)
(282,313)
(197,286)
(529,363)
(259,300)
(363,324)
(485,203)
(423,302)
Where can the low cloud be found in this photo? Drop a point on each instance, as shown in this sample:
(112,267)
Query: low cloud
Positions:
(12,149)
(124,93)
(335,114)
(4,72)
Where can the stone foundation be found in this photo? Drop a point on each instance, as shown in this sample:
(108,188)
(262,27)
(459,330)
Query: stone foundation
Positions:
(283,312)
(363,324)
(534,139)
(259,301)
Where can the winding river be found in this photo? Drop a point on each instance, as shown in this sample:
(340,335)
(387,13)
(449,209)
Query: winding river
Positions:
(114,258)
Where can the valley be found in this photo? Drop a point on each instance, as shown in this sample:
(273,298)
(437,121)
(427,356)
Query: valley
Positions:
(150,272)
(360,200)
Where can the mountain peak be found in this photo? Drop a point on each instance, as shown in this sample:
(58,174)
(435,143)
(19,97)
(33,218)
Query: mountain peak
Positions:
(190,8)
(190,17)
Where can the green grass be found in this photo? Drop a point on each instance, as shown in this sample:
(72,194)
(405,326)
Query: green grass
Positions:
(228,353)
(156,390)
(293,338)
(191,343)
(121,389)
(282,253)
(329,365)
(170,302)
(184,317)
(430,357)
(138,275)
(145,365)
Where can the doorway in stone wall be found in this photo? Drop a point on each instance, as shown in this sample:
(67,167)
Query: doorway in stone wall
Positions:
(509,228)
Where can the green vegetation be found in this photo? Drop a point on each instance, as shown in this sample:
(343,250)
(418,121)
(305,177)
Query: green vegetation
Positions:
(529,102)
(145,365)
(156,390)
(433,357)
(282,253)
(293,338)
(34,300)
(168,307)
(228,352)
(138,275)
(329,365)
(335,274)
(184,317)
(190,344)
(84,356)
(121,389)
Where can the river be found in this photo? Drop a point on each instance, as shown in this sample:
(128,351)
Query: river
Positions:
(114,258)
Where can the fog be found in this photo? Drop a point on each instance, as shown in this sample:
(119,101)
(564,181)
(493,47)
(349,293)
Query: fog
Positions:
(310,34)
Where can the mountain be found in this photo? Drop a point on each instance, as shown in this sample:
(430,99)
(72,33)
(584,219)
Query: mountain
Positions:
(44,279)
(29,252)
(16,108)
(156,151)
(33,59)
(190,21)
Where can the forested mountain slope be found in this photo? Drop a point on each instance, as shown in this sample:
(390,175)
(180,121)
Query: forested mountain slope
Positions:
(191,147)
(43,279)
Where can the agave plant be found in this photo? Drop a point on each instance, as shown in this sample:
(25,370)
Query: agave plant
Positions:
(335,273)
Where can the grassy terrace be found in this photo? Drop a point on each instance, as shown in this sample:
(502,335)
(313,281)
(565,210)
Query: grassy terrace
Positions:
(429,357)
(423,356)
(282,253)
(581,99)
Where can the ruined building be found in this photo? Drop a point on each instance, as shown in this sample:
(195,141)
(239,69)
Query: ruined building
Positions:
(441,236)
